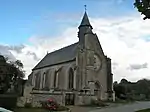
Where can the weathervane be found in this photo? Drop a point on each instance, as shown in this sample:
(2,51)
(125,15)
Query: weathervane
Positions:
(85,7)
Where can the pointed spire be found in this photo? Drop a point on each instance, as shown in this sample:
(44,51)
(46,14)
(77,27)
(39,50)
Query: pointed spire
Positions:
(85,21)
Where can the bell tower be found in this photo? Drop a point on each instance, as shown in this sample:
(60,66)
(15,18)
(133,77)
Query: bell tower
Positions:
(83,27)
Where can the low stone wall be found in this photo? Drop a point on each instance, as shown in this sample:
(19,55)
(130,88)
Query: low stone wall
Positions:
(27,97)
(84,99)
(37,98)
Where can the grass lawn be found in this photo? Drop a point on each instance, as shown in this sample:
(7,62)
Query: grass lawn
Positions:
(61,109)
(145,110)
(29,110)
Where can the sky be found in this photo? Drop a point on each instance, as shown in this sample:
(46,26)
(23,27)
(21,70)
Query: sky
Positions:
(31,28)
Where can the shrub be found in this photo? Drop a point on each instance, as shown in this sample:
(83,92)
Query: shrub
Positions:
(28,105)
(52,105)
(4,99)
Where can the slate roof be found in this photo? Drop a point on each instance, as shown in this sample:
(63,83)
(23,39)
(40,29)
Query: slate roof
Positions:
(85,21)
(65,54)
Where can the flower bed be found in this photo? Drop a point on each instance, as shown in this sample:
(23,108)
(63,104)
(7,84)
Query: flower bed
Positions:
(52,105)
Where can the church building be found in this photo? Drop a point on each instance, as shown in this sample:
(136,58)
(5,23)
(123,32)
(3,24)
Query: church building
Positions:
(75,74)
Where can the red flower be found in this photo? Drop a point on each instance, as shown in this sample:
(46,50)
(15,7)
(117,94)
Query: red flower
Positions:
(50,100)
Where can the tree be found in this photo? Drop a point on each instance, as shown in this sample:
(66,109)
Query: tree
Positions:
(14,73)
(124,81)
(120,91)
(143,7)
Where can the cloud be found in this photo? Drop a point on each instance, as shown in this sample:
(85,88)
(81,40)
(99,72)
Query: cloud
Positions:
(123,39)
(138,66)
(4,50)
(114,65)
(17,48)
(33,54)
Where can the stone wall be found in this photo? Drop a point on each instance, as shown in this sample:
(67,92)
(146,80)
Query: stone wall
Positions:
(88,73)
(37,98)
(27,97)
(50,72)
(84,99)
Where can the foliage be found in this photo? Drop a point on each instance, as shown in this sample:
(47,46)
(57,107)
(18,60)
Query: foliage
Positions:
(120,91)
(8,101)
(51,105)
(14,74)
(145,110)
(133,91)
(28,105)
(143,7)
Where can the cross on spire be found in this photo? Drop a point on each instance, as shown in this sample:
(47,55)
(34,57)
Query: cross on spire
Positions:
(85,7)
(85,20)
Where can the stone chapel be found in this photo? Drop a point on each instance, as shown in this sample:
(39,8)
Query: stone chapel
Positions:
(75,74)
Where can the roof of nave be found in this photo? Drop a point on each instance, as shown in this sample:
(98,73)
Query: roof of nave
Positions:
(64,54)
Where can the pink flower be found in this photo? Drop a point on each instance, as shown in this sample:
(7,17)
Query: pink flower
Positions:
(50,100)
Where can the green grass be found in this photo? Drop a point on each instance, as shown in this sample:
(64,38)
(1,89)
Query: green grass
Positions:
(61,108)
(145,110)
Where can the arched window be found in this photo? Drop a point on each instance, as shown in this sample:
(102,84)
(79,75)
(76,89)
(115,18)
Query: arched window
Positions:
(71,78)
(47,80)
(43,80)
(37,81)
(56,79)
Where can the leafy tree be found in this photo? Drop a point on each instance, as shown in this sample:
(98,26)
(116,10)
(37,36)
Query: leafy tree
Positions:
(130,90)
(14,74)
(124,81)
(143,7)
(120,90)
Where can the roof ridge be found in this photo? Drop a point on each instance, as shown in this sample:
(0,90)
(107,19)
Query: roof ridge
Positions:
(58,56)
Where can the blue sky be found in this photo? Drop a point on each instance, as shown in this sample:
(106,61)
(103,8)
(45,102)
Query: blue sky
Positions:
(22,19)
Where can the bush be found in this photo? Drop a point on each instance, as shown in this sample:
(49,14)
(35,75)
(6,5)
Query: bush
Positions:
(8,101)
(28,105)
(51,105)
